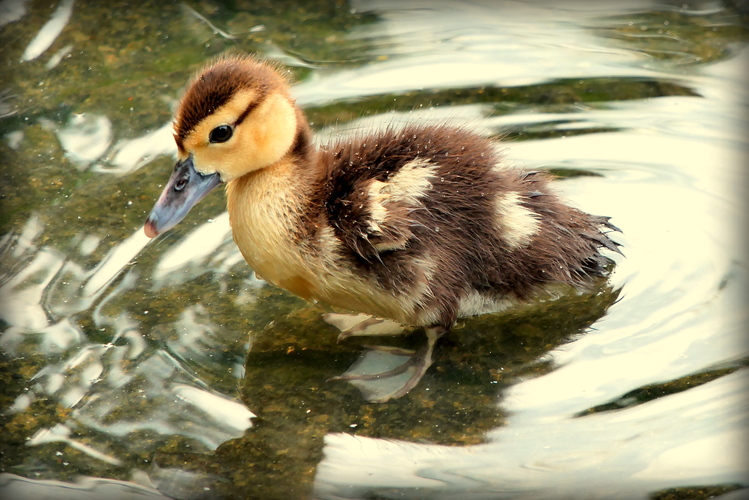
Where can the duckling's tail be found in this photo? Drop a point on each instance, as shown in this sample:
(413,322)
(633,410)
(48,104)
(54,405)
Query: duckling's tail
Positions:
(601,265)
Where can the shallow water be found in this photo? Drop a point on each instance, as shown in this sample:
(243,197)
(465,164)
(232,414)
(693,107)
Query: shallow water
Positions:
(166,368)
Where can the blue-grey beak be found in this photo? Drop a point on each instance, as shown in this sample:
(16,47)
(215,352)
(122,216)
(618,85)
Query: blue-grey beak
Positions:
(186,187)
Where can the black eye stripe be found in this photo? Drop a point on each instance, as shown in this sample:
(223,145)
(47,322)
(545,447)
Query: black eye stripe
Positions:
(247,111)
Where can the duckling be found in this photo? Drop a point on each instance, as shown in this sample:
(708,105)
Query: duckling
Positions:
(421,225)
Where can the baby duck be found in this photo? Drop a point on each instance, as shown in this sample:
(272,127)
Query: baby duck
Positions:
(421,226)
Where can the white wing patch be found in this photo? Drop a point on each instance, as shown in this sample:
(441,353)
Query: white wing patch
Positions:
(517,224)
(378,198)
(411,182)
(407,186)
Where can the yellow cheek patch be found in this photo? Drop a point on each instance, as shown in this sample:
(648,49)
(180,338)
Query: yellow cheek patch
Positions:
(272,128)
(261,139)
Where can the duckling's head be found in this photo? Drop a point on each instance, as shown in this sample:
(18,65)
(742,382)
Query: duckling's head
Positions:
(236,117)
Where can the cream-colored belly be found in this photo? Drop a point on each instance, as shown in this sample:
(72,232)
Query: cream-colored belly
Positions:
(311,278)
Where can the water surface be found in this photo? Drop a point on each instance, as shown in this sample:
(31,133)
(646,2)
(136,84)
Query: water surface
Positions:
(166,368)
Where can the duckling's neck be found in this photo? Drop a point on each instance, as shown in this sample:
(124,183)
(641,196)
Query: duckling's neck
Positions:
(268,207)
(281,187)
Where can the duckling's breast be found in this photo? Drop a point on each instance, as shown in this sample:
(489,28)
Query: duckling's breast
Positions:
(261,207)
(266,217)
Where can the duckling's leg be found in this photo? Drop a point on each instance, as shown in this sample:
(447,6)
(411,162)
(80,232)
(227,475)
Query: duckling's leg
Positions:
(390,384)
(352,325)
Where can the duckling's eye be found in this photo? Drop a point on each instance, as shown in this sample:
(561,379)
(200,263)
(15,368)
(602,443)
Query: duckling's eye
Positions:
(222,133)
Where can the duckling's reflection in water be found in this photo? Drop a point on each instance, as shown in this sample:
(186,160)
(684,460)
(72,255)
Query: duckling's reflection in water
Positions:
(385,372)
(291,361)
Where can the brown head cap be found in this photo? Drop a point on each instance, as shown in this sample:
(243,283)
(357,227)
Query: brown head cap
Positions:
(217,83)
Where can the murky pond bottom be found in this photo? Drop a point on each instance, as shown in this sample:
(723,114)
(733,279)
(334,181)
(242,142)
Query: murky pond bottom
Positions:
(159,369)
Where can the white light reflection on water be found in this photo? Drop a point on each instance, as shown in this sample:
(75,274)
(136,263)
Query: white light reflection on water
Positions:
(450,45)
(85,138)
(50,31)
(85,488)
(58,56)
(620,455)
(11,11)
(61,433)
(128,155)
(100,381)
(208,246)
